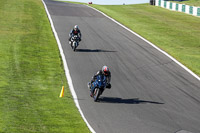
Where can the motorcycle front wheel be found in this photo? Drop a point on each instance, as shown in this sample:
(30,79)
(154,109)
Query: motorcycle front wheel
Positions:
(74,46)
(96,94)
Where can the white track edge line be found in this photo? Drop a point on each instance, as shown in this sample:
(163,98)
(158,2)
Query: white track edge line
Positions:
(67,73)
(153,45)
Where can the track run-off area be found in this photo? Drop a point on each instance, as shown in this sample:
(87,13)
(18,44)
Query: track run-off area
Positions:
(150,92)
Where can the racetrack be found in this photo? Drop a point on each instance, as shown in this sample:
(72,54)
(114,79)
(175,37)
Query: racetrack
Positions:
(150,93)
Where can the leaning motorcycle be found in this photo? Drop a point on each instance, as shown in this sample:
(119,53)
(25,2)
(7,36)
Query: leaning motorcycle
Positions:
(74,42)
(98,86)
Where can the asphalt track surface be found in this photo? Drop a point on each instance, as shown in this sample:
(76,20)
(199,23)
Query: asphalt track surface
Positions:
(150,93)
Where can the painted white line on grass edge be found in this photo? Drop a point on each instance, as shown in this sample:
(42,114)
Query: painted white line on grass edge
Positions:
(188,70)
(67,73)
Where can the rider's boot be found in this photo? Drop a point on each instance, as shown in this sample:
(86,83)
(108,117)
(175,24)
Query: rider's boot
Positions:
(91,94)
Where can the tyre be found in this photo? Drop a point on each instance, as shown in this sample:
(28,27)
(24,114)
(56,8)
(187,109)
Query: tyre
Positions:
(74,46)
(96,94)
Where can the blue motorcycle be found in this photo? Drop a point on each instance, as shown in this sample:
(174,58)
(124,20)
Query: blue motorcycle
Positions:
(97,87)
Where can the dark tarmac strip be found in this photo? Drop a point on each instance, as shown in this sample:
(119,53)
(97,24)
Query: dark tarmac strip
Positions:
(150,93)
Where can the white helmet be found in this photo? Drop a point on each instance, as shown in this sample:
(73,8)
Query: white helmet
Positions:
(105,70)
(76,27)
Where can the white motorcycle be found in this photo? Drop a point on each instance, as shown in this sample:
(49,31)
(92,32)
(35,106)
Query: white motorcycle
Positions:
(74,42)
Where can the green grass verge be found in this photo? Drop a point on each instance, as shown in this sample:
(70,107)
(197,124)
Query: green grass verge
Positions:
(32,74)
(176,33)
(189,2)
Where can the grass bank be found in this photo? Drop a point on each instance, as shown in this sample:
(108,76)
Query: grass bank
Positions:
(32,74)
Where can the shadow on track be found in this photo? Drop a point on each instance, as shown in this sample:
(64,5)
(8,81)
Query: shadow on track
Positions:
(93,50)
(126,101)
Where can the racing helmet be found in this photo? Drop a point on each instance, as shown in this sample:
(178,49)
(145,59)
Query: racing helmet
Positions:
(105,70)
(76,27)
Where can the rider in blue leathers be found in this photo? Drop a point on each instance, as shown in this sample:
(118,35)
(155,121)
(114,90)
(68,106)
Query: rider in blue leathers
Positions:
(105,71)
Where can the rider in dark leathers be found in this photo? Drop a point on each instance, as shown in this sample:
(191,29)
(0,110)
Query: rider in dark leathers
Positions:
(105,71)
(75,31)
